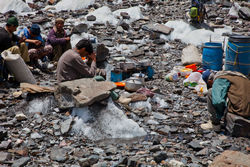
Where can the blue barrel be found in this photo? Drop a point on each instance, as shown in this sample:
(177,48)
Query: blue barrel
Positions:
(238,54)
(116,76)
(212,56)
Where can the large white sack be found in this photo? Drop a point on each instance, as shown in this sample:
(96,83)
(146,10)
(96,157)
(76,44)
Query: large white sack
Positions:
(190,55)
(17,5)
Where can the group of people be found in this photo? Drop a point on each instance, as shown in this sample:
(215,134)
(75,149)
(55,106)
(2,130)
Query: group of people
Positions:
(30,45)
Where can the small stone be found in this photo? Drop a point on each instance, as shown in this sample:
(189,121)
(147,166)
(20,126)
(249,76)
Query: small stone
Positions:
(91,18)
(58,154)
(21,162)
(35,135)
(195,144)
(3,133)
(4,156)
(20,117)
(124,25)
(65,125)
(5,145)
(125,15)
(174,163)
(160,157)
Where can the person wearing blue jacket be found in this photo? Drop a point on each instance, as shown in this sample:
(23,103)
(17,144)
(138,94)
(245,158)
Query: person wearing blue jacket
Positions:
(35,43)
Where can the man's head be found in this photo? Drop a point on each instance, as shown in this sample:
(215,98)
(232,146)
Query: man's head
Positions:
(84,47)
(35,30)
(59,23)
(12,24)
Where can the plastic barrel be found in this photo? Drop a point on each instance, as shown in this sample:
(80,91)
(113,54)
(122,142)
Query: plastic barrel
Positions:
(238,54)
(116,76)
(212,56)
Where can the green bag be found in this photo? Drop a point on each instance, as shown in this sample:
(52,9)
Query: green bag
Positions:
(193,12)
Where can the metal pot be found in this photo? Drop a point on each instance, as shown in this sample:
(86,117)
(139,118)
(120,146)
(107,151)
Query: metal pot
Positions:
(133,84)
(139,76)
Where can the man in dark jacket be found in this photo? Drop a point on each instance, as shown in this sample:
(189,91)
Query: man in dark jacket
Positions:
(10,41)
(58,39)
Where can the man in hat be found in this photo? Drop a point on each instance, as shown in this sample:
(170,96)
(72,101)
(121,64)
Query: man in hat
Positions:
(58,39)
(10,41)
(71,65)
(35,43)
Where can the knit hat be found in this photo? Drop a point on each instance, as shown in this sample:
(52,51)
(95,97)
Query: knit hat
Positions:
(59,20)
(12,21)
(35,29)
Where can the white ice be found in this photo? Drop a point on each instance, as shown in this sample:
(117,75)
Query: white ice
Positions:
(190,35)
(17,5)
(106,123)
(73,4)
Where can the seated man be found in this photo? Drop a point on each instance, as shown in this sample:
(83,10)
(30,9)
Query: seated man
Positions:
(71,65)
(58,39)
(10,41)
(231,93)
(35,43)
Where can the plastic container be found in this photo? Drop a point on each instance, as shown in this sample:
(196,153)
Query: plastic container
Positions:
(116,76)
(238,54)
(16,65)
(192,66)
(212,56)
(185,71)
(172,77)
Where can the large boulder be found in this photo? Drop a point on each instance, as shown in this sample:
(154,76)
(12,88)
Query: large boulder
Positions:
(231,159)
(82,92)
(190,55)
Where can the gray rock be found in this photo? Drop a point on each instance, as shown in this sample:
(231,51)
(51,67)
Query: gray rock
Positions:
(2,104)
(4,156)
(101,52)
(155,148)
(65,125)
(132,162)
(160,116)
(159,41)
(125,15)
(160,157)
(203,152)
(58,154)
(124,25)
(161,28)
(90,92)
(195,144)
(5,145)
(119,29)
(244,13)
(3,133)
(91,18)
(36,135)
(21,162)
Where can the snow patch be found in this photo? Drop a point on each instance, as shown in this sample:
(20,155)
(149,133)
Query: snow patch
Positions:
(17,5)
(190,35)
(73,4)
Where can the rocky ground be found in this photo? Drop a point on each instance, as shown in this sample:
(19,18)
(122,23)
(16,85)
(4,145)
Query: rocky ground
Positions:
(174,137)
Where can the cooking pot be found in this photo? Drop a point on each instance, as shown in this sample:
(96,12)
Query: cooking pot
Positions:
(140,77)
(133,84)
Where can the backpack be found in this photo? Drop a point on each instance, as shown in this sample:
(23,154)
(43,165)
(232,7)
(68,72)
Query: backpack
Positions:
(193,12)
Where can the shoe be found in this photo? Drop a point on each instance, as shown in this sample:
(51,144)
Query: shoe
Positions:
(210,126)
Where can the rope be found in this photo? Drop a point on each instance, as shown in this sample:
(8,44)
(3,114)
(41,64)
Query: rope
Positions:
(236,51)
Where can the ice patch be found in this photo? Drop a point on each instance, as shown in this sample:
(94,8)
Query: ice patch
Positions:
(76,38)
(41,105)
(126,49)
(103,15)
(73,4)
(190,35)
(16,5)
(134,13)
(106,123)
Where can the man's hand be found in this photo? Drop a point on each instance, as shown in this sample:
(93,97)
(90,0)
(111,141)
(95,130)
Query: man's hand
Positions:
(67,38)
(22,39)
(92,57)
(37,42)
